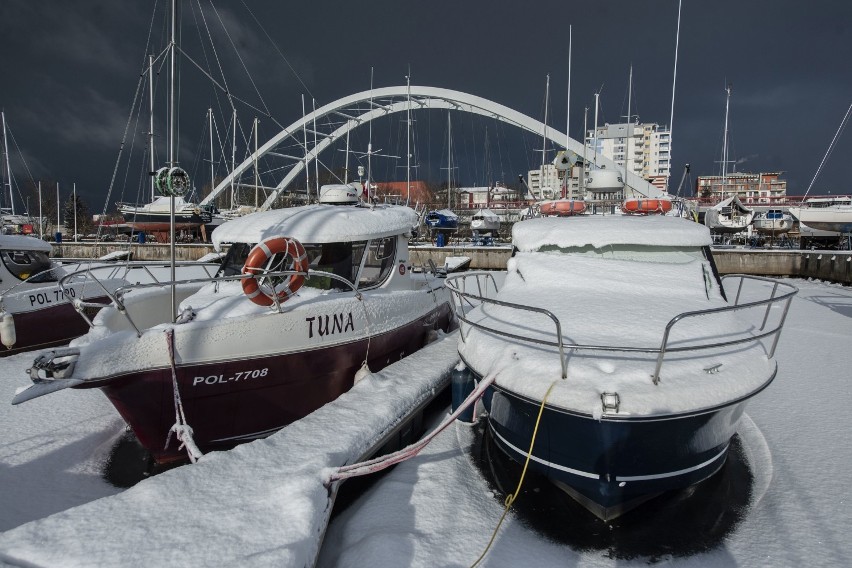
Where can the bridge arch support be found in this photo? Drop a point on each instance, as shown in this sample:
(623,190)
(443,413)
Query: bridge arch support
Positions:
(382,102)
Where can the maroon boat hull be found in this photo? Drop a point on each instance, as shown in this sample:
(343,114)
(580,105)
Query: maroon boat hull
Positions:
(228,402)
(49,327)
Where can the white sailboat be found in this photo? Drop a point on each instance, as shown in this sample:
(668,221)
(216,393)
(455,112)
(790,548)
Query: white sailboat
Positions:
(827,214)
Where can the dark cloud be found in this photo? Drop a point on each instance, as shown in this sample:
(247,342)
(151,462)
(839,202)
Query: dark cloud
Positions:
(70,71)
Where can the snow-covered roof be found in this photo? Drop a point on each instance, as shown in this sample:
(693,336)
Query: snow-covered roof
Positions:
(22,242)
(603,230)
(318,224)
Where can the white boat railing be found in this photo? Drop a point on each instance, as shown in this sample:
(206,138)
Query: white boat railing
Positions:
(464,300)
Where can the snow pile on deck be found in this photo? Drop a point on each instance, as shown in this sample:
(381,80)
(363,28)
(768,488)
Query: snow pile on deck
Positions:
(318,224)
(603,230)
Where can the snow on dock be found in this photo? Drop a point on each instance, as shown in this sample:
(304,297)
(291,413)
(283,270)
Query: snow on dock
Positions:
(260,504)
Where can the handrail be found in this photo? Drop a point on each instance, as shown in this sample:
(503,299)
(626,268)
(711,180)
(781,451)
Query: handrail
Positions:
(460,296)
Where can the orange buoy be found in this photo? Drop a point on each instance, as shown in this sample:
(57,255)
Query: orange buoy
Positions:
(562,207)
(646,206)
(257,259)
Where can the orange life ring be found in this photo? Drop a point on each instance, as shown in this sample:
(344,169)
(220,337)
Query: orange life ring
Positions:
(257,259)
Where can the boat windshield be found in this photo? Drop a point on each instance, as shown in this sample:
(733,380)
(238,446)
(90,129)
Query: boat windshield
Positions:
(667,255)
(32,264)
(343,259)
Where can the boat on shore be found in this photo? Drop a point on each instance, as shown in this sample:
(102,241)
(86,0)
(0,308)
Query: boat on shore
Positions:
(826,214)
(773,222)
(154,217)
(306,297)
(35,312)
(728,216)
(485,221)
(442,220)
(642,368)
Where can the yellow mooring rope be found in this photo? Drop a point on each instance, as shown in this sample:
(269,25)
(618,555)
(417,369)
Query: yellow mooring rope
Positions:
(511,497)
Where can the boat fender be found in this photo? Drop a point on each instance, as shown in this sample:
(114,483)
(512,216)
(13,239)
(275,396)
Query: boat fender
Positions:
(255,266)
(8,336)
(462,384)
(362,373)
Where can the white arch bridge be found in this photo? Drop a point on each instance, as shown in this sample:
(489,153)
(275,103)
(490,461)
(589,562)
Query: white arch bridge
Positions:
(318,130)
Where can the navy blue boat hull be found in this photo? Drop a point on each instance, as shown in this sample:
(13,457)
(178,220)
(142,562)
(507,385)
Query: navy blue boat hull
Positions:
(613,464)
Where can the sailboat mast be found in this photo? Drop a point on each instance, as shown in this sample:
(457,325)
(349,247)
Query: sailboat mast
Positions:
(316,158)
(595,150)
(305,141)
(8,167)
(256,175)
(568,113)
(172,87)
(346,165)
(449,159)
(544,128)
(629,127)
(674,82)
(725,139)
(370,143)
(408,140)
(210,128)
(172,164)
(582,181)
(40,220)
(151,125)
(233,157)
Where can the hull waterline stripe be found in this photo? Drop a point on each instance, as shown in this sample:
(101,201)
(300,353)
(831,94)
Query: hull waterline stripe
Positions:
(673,473)
(618,477)
(547,463)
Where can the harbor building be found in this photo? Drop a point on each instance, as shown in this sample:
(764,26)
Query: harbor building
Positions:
(752,189)
(646,148)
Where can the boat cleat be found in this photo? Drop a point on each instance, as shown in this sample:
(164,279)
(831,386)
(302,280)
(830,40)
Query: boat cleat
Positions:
(56,365)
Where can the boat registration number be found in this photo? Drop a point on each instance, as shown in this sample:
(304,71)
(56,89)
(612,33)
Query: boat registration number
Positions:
(238,376)
(49,297)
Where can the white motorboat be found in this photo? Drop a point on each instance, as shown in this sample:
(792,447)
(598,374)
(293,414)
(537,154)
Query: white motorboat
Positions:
(826,214)
(34,311)
(619,334)
(305,298)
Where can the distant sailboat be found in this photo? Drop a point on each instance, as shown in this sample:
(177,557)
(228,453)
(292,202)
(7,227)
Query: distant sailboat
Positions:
(832,214)
(728,216)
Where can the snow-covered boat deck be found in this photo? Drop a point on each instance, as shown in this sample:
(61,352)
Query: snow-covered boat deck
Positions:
(263,504)
(260,504)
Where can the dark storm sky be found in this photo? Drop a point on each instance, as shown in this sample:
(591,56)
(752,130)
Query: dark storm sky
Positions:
(70,69)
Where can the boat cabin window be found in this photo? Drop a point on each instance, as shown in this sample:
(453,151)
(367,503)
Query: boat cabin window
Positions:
(341,259)
(232,264)
(379,262)
(33,264)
